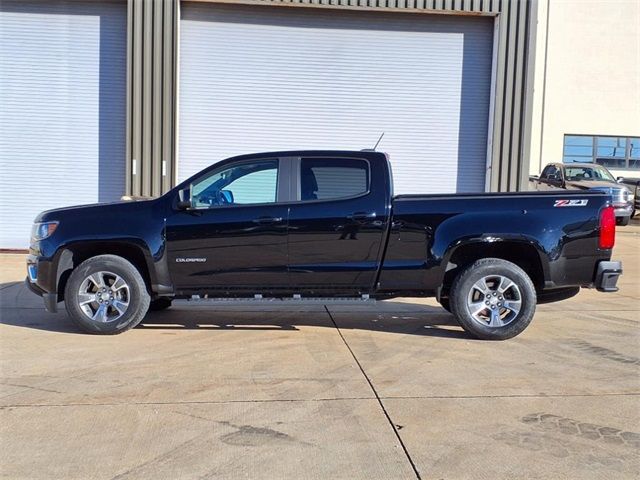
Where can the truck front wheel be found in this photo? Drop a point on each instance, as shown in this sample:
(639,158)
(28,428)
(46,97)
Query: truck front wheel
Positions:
(106,295)
(493,299)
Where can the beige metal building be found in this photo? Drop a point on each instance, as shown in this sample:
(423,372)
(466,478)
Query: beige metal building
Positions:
(112,97)
(586,100)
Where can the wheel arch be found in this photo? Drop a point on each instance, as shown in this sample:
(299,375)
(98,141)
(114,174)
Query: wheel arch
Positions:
(74,254)
(523,253)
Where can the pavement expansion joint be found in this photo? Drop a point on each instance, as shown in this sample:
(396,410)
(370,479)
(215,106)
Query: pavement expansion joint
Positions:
(186,402)
(395,427)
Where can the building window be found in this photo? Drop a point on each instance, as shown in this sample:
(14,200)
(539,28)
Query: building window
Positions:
(617,153)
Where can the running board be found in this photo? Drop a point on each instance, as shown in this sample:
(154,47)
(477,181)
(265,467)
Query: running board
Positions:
(295,299)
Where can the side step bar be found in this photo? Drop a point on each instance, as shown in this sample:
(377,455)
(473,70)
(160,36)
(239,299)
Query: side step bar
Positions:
(295,299)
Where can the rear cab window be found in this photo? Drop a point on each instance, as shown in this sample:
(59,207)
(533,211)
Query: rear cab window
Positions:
(333,178)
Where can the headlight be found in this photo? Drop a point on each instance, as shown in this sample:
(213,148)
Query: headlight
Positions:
(40,231)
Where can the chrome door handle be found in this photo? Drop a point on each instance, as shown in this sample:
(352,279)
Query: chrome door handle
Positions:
(267,220)
(359,216)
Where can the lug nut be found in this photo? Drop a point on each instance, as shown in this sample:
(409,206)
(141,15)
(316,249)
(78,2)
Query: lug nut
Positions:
(486,303)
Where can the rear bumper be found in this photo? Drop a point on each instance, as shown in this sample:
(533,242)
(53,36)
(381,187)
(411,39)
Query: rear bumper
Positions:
(607,275)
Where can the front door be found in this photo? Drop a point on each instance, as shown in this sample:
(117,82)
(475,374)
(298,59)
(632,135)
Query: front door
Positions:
(234,235)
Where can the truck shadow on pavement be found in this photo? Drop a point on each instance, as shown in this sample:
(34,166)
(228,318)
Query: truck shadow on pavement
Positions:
(21,308)
(419,320)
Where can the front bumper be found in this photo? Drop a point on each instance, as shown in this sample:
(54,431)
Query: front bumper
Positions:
(38,281)
(50,299)
(623,210)
(607,275)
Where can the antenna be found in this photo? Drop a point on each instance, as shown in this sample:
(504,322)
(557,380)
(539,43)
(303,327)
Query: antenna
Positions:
(376,145)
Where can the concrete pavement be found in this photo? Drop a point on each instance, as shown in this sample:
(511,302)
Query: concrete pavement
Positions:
(389,390)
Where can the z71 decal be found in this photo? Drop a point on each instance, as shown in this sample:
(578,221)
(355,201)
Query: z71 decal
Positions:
(571,203)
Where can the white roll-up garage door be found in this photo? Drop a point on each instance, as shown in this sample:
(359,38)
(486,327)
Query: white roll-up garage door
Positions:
(264,78)
(62,108)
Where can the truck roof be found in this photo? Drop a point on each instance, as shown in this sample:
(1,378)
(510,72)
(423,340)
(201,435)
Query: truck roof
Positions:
(302,153)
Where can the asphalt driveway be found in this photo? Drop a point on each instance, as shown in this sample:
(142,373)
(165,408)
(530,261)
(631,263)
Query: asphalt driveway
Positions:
(387,390)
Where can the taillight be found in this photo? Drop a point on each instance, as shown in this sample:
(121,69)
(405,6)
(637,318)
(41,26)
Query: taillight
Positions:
(607,227)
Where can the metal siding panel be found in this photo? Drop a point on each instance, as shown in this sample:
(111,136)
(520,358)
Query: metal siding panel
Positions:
(485,6)
(129,127)
(256,79)
(136,98)
(499,128)
(152,94)
(156,166)
(510,72)
(527,93)
(63,115)
(518,89)
(168,93)
(147,105)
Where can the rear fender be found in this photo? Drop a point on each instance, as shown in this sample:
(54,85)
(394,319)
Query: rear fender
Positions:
(515,248)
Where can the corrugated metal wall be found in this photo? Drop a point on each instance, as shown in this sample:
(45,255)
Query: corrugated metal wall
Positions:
(152,42)
(152,112)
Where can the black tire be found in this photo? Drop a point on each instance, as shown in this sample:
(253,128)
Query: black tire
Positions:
(623,221)
(160,303)
(445,303)
(463,288)
(137,296)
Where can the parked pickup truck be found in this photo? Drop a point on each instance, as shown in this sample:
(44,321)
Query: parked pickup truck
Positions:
(586,176)
(322,224)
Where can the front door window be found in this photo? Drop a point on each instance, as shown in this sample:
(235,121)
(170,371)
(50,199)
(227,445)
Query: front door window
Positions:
(241,184)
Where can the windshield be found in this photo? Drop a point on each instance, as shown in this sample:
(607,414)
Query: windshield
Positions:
(588,174)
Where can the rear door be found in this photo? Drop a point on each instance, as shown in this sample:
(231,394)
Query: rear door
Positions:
(337,223)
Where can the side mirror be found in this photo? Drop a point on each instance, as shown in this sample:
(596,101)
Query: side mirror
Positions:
(184,199)
(227,196)
(619,179)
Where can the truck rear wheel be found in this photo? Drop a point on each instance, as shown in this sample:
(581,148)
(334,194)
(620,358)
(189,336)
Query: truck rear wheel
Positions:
(493,299)
(106,295)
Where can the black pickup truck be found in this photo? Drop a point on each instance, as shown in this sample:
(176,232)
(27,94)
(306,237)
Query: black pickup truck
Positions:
(322,224)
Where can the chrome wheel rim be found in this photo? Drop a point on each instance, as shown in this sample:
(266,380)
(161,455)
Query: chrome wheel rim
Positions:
(103,297)
(494,301)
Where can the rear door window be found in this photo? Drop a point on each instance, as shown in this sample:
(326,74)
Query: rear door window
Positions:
(333,178)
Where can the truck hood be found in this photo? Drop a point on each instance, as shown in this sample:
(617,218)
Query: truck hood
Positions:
(587,184)
(120,206)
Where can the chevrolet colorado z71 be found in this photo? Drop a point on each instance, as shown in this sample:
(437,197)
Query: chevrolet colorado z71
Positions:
(322,224)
